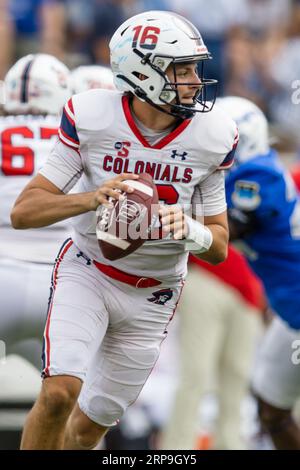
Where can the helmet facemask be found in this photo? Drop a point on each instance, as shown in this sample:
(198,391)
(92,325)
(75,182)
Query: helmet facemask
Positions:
(186,111)
(169,94)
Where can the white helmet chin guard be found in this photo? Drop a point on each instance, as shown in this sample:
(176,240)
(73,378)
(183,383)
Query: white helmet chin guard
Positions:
(252,125)
(87,77)
(37,83)
(141,50)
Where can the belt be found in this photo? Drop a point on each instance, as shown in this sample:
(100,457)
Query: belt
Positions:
(136,281)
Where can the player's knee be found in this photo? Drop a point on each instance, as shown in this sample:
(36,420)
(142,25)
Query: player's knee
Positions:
(58,398)
(272,418)
(58,402)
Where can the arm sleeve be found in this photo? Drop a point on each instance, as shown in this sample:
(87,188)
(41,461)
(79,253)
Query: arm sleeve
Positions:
(209,196)
(63,167)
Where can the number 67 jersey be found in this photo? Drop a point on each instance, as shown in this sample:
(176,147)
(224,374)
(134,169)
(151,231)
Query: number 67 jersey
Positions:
(100,140)
(26,142)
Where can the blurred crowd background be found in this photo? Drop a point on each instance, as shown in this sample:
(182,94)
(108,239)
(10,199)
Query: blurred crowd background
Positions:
(256,54)
(254,43)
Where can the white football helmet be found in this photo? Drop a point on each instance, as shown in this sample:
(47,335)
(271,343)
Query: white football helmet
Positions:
(144,46)
(87,77)
(252,126)
(37,83)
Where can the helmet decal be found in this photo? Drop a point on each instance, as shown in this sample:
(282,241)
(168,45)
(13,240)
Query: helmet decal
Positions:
(25,80)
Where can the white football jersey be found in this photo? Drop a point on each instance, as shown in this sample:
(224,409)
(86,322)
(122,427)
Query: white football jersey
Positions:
(99,140)
(26,142)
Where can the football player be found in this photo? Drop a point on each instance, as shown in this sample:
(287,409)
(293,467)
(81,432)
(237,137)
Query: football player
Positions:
(103,331)
(264,214)
(36,88)
(216,321)
(28,132)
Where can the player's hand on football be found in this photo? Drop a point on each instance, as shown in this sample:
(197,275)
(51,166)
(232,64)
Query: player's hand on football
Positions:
(173,220)
(112,188)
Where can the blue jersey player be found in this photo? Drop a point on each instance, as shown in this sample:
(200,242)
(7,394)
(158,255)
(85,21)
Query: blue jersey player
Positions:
(264,216)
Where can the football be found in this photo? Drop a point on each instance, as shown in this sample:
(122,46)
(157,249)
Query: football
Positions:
(124,228)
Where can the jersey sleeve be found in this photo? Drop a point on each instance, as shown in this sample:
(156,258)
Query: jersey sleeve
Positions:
(229,158)
(63,167)
(209,196)
(67,131)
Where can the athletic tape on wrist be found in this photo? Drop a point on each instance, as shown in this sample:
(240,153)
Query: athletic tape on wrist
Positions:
(199,238)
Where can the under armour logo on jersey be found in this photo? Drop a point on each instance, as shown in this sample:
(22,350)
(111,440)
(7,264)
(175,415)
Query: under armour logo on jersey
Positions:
(162,296)
(87,259)
(181,155)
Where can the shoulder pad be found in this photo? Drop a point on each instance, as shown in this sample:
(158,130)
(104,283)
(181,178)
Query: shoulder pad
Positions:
(95,109)
(215,131)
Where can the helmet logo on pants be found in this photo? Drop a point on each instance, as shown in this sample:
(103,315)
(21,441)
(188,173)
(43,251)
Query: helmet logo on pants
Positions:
(161,296)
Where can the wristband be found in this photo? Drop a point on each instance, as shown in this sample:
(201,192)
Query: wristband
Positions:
(199,238)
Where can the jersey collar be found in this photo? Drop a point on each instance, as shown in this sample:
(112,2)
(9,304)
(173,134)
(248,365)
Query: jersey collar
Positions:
(161,143)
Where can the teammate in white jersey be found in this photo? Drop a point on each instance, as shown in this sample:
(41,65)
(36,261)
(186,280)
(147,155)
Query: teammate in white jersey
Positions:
(36,90)
(106,321)
(37,87)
